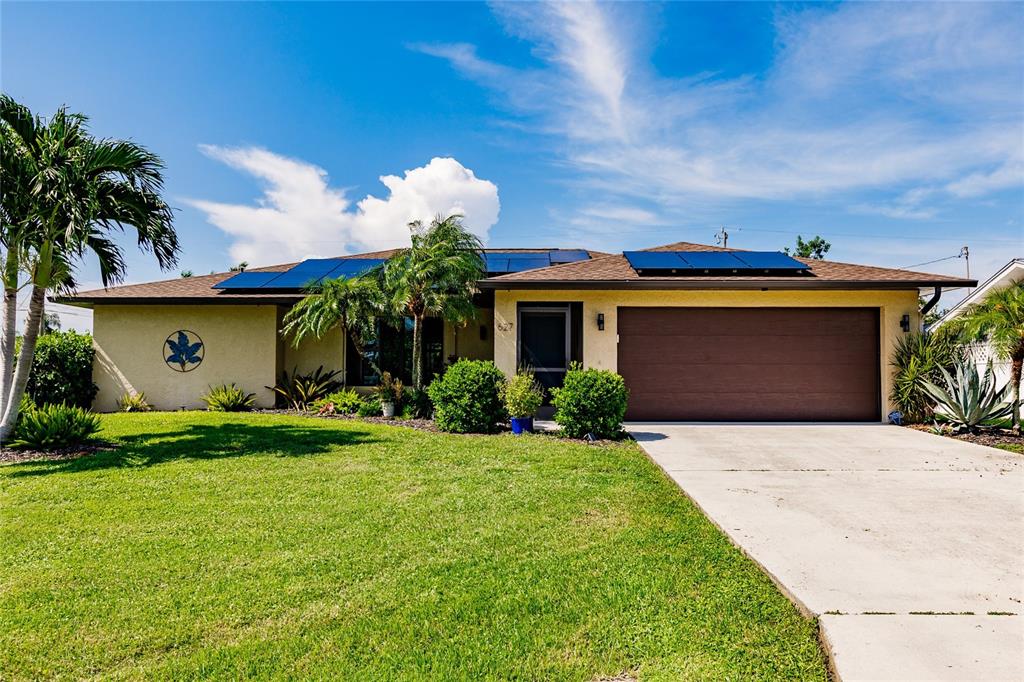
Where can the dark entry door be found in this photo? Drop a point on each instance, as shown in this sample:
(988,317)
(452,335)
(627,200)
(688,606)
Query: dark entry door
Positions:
(544,342)
(751,364)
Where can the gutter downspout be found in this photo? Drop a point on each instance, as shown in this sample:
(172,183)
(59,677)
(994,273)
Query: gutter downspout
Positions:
(930,304)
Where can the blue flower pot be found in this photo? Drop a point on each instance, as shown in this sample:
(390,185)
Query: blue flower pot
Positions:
(521,425)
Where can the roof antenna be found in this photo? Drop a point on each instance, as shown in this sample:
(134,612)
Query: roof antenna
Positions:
(722,237)
(965,253)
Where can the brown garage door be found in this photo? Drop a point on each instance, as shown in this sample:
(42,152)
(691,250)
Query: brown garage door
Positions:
(756,364)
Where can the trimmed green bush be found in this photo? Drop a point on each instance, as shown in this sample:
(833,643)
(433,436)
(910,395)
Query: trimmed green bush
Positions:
(228,398)
(467,397)
(591,401)
(62,370)
(345,401)
(54,427)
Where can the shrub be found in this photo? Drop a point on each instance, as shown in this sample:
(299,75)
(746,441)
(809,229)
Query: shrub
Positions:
(299,391)
(62,370)
(969,399)
(370,407)
(467,397)
(345,401)
(522,395)
(133,402)
(53,427)
(417,402)
(591,401)
(919,358)
(228,398)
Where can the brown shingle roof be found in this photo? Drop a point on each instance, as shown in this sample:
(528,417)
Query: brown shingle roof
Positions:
(201,289)
(614,271)
(602,271)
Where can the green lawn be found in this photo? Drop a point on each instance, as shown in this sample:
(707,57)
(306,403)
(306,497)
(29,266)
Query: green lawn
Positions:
(262,546)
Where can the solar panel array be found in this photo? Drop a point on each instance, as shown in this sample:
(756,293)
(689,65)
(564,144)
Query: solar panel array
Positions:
(714,263)
(314,271)
(306,274)
(501,262)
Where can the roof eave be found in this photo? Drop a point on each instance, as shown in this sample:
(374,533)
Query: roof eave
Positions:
(793,284)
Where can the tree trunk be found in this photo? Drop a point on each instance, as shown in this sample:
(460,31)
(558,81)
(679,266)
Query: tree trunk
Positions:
(417,352)
(37,303)
(9,331)
(1015,372)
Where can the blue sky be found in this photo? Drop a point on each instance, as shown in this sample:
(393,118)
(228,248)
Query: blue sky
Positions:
(894,130)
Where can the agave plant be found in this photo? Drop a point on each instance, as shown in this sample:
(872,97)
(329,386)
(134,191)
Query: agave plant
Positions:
(299,391)
(917,358)
(970,399)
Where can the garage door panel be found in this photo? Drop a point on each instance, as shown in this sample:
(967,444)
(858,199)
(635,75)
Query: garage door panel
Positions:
(758,378)
(750,363)
(773,349)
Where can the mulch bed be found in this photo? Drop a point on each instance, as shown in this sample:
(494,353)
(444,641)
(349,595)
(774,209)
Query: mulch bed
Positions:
(18,455)
(989,437)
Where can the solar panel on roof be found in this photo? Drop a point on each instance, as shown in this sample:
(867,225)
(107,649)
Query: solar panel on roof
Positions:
(655,260)
(305,274)
(353,267)
(520,264)
(568,256)
(770,260)
(713,260)
(514,261)
(247,280)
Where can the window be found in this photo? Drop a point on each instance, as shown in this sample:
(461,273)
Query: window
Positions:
(391,349)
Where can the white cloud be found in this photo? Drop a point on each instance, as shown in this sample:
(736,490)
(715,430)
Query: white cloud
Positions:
(301,216)
(865,102)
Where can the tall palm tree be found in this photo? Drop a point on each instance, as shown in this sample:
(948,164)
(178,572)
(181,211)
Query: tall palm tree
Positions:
(18,131)
(356,304)
(77,190)
(999,320)
(435,277)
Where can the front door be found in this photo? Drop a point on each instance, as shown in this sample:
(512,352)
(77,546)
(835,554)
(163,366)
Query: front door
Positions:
(544,342)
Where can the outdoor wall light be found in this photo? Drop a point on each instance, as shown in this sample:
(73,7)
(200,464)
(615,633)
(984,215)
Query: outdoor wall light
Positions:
(600,322)
(905,323)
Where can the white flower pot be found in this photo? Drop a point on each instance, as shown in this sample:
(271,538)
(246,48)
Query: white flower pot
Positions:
(388,410)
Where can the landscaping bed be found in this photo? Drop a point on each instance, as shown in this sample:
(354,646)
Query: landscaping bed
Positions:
(269,546)
(1003,439)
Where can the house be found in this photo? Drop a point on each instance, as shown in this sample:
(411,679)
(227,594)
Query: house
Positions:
(1011,273)
(698,332)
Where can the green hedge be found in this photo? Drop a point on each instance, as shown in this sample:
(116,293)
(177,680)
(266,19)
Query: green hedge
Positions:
(591,401)
(62,370)
(467,397)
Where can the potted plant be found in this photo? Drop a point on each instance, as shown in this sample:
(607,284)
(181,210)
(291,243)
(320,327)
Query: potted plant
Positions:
(389,392)
(523,396)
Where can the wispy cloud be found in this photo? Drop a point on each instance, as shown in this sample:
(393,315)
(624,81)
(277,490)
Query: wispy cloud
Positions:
(865,103)
(299,215)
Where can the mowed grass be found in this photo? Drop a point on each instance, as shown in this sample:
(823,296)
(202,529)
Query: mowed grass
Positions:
(220,546)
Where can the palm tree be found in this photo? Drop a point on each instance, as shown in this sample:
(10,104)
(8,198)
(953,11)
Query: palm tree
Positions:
(435,276)
(74,190)
(999,320)
(355,304)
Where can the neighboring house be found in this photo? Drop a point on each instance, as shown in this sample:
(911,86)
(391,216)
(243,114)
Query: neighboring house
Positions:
(1011,273)
(698,332)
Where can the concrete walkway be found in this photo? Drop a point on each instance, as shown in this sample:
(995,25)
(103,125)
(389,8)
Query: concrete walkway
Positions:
(909,547)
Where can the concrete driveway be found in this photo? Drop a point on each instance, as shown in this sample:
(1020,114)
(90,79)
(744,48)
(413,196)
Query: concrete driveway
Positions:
(909,547)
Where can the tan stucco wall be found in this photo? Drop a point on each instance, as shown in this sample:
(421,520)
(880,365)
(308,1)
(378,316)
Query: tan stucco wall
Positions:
(328,351)
(600,348)
(240,344)
(463,341)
